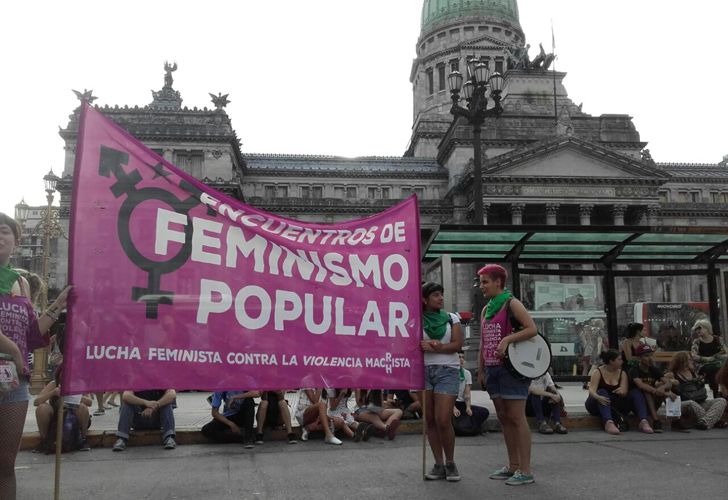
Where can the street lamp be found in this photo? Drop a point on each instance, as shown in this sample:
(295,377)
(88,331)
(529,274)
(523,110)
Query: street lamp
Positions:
(480,81)
(50,180)
(49,227)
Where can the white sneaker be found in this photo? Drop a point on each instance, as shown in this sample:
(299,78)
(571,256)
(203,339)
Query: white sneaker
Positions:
(332,440)
(304,434)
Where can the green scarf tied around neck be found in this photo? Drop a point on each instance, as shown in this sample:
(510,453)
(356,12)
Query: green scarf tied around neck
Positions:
(8,277)
(496,303)
(435,324)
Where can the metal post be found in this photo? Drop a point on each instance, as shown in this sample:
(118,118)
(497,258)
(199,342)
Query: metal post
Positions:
(712,277)
(477,177)
(610,296)
(38,377)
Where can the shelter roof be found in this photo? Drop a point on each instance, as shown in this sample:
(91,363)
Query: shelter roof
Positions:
(603,245)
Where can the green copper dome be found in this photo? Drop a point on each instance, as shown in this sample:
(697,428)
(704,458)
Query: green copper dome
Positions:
(437,11)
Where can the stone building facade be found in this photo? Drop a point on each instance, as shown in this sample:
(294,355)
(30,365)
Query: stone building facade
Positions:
(545,161)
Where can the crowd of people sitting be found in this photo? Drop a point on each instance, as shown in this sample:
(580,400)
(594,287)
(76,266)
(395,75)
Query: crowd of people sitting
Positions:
(628,381)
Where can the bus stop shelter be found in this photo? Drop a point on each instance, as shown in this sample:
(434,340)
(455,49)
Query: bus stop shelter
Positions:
(606,251)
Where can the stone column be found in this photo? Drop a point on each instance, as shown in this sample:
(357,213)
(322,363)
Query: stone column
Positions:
(552,209)
(517,213)
(653,212)
(460,209)
(618,212)
(585,212)
(486,207)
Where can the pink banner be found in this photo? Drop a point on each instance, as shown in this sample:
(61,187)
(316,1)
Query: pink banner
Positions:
(177,285)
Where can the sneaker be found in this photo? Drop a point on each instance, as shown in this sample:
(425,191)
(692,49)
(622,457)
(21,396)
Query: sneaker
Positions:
(249,445)
(169,443)
(119,445)
(502,474)
(677,426)
(437,472)
(644,426)
(259,438)
(657,426)
(392,430)
(519,478)
(84,446)
(451,472)
(292,438)
(100,412)
(332,440)
(41,448)
(544,428)
(610,428)
(701,425)
(366,432)
(560,429)
(304,434)
(359,431)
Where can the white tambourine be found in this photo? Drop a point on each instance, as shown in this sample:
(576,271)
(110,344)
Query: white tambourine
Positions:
(529,358)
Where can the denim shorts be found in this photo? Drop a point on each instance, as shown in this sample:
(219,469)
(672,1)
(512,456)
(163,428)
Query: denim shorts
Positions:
(442,379)
(16,396)
(501,384)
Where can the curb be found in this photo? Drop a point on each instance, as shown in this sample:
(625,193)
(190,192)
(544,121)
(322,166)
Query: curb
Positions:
(106,438)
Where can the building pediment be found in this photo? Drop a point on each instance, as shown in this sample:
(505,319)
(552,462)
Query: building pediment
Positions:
(570,157)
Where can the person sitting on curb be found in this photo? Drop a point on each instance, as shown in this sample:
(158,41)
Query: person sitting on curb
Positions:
(147,410)
(47,402)
(609,394)
(649,379)
(543,398)
(311,415)
(693,395)
(342,416)
(407,401)
(463,408)
(632,341)
(370,410)
(273,411)
(235,423)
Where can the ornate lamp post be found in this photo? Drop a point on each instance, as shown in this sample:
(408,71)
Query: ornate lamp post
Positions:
(49,228)
(479,83)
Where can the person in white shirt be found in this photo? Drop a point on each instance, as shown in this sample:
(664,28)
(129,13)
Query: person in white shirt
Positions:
(463,407)
(543,398)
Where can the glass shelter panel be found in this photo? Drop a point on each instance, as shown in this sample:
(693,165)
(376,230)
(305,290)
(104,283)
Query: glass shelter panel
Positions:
(569,311)
(667,306)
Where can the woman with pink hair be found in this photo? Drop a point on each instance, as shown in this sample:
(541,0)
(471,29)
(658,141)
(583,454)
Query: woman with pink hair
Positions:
(509,394)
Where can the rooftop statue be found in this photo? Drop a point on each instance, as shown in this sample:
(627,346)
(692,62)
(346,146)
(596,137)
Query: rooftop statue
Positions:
(219,100)
(85,96)
(519,58)
(169,68)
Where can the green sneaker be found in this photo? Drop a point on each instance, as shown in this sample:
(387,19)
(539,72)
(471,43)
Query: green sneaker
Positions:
(501,474)
(520,478)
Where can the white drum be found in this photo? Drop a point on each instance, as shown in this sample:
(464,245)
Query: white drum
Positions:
(530,358)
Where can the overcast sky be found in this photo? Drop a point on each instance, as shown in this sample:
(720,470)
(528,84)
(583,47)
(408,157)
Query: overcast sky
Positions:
(332,76)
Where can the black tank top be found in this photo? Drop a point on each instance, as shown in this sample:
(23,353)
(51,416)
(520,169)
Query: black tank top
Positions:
(603,383)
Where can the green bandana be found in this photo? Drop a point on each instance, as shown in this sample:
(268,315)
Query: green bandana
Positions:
(496,303)
(462,374)
(8,277)
(435,323)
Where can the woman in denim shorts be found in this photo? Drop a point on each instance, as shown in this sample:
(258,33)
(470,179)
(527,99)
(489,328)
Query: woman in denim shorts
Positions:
(442,339)
(508,393)
(21,331)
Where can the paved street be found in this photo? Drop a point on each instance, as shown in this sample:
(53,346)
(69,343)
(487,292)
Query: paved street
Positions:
(583,464)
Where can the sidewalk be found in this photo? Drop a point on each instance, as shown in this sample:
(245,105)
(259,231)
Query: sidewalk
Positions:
(193,411)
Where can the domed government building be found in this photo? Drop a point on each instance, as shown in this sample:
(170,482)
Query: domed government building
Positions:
(544,164)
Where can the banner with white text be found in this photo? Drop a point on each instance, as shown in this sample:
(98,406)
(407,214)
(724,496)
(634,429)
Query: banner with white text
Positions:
(179,286)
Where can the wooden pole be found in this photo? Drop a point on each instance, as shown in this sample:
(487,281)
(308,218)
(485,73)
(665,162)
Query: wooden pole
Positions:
(424,434)
(59,446)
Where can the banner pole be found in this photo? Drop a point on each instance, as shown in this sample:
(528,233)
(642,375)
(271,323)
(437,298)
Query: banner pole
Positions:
(59,446)
(424,434)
